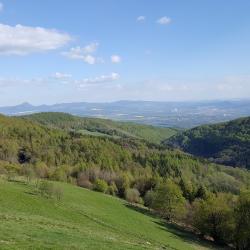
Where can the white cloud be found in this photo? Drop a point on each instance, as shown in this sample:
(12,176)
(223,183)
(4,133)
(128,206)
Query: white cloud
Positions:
(141,19)
(84,53)
(115,59)
(61,76)
(23,40)
(1,6)
(98,80)
(164,20)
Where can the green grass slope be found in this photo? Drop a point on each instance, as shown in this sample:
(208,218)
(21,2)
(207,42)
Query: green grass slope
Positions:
(225,143)
(83,219)
(102,127)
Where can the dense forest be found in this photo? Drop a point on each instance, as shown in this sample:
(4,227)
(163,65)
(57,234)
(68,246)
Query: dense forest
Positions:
(102,127)
(178,186)
(225,143)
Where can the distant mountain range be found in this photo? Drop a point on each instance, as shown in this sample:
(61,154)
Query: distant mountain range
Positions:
(167,114)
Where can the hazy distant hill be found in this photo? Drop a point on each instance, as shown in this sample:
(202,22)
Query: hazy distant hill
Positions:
(102,127)
(167,114)
(227,143)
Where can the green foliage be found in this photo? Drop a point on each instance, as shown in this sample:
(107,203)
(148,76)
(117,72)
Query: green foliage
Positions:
(132,195)
(81,220)
(214,217)
(100,186)
(168,201)
(242,214)
(149,198)
(112,189)
(50,190)
(62,155)
(46,189)
(102,127)
(225,143)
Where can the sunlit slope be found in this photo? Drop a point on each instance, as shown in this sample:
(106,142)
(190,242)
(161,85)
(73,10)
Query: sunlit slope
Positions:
(102,127)
(83,219)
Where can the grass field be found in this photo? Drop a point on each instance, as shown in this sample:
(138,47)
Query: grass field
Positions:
(83,219)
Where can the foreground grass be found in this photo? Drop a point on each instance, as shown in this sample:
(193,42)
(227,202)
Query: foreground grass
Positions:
(83,219)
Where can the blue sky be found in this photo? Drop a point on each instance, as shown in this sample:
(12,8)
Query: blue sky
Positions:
(107,50)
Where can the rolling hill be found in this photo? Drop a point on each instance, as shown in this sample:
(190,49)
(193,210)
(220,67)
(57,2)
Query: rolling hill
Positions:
(102,127)
(83,219)
(225,143)
(113,165)
(186,114)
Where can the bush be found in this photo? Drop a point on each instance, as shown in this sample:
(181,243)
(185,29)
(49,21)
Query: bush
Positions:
(59,175)
(132,195)
(49,190)
(41,170)
(100,186)
(46,189)
(83,181)
(112,189)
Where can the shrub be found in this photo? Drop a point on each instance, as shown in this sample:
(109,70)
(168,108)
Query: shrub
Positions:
(100,186)
(49,190)
(132,195)
(41,170)
(83,181)
(59,175)
(112,189)
(46,189)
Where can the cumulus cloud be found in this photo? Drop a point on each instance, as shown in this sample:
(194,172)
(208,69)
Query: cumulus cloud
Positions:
(164,20)
(1,6)
(23,40)
(115,59)
(84,53)
(141,19)
(98,80)
(61,76)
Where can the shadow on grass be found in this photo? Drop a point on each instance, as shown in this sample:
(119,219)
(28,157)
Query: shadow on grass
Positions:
(140,209)
(175,229)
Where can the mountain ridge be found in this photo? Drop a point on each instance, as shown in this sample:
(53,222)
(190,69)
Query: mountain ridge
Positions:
(165,114)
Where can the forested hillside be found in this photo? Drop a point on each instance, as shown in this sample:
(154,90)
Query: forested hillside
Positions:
(175,185)
(225,143)
(65,154)
(102,127)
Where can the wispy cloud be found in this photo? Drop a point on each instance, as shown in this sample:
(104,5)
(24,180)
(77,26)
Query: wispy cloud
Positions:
(60,76)
(98,80)
(84,53)
(23,40)
(164,20)
(141,19)
(115,59)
